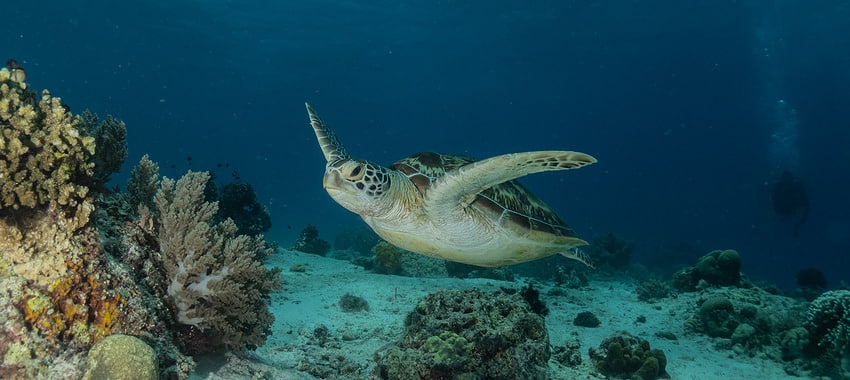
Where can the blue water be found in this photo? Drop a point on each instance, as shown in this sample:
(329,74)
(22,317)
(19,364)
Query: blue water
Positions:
(679,101)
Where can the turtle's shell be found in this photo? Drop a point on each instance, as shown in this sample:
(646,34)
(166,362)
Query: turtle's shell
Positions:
(508,203)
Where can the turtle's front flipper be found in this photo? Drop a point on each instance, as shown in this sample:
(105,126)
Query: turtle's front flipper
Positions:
(460,186)
(331,147)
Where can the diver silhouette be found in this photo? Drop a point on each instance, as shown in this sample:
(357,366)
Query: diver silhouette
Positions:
(790,198)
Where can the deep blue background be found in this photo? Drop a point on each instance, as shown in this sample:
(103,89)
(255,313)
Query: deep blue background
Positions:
(677,100)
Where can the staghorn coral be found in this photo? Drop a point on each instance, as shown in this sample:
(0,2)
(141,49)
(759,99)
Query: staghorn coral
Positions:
(217,281)
(44,158)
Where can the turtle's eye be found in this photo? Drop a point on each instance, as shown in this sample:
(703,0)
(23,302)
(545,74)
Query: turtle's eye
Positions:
(356,171)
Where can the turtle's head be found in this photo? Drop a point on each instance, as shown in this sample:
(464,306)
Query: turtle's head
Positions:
(359,186)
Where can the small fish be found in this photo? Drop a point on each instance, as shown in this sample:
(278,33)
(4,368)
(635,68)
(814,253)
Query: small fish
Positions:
(17,72)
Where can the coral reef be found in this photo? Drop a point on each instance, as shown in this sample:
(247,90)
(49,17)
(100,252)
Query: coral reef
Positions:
(309,242)
(653,290)
(569,354)
(611,250)
(811,283)
(110,138)
(812,278)
(350,303)
(387,258)
(44,158)
(217,282)
(586,319)
(572,279)
(717,268)
(720,268)
(238,201)
(122,357)
(468,334)
(828,323)
(461,270)
(532,297)
(718,317)
(143,184)
(360,239)
(625,356)
(448,349)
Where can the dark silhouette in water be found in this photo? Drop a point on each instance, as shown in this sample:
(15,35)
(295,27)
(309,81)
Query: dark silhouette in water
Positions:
(791,199)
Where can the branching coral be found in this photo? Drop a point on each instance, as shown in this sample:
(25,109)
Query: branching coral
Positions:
(238,201)
(309,242)
(44,158)
(110,137)
(143,183)
(218,283)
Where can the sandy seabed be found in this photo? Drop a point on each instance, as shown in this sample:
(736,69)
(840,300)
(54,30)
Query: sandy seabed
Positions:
(310,300)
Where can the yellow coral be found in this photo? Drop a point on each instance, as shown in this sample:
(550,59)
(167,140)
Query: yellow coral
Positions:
(43,157)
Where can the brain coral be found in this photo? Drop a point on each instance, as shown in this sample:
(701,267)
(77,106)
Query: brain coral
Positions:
(44,159)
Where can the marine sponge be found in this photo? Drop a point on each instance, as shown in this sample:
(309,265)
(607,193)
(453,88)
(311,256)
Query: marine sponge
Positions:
(44,158)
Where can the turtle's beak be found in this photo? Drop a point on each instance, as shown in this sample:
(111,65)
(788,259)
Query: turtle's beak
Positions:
(333,180)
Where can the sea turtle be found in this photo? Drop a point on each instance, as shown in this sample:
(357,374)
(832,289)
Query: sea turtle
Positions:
(453,207)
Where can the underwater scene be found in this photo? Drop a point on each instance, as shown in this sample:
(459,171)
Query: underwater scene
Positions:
(438,189)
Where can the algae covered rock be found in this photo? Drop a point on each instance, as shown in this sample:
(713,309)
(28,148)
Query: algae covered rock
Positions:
(455,334)
(715,269)
(721,268)
(718,317)
(626,356)
(122,357)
